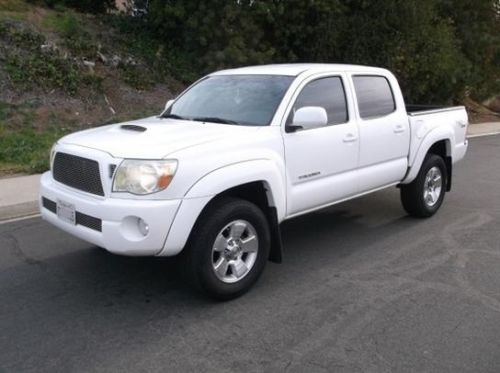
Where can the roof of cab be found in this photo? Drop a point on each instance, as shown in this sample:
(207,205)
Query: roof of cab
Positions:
(295,69)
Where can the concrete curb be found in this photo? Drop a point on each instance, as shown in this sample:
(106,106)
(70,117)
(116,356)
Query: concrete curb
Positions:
(483,129)
(19,195)
(19,210)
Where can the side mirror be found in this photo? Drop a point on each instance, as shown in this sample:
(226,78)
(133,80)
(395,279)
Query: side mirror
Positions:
(308,117)
(168,104)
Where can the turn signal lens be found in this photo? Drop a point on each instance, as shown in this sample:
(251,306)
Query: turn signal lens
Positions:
(164,181)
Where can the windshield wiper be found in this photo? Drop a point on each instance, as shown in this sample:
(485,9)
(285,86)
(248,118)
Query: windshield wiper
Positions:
(172,116)
(215,120)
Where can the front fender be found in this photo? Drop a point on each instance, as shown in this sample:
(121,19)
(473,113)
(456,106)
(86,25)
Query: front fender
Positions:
(434,136)
(216,182)
(241,173)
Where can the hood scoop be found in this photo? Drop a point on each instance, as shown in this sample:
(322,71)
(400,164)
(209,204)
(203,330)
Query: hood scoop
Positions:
(133,127)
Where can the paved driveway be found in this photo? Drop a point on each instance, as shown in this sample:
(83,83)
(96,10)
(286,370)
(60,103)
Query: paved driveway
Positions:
(362,288)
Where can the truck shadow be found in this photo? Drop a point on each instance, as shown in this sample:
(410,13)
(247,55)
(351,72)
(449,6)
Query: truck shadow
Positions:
(315,240)
(92,276)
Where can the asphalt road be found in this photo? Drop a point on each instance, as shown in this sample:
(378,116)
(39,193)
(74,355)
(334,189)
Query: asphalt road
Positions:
(362,288)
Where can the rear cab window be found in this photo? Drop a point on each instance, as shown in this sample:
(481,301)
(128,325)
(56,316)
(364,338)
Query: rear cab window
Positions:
(374,96)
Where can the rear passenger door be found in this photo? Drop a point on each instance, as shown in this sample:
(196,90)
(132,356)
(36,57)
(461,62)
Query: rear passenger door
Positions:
(321,162)
(383,130)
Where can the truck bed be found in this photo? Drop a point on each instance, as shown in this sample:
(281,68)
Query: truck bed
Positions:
(414,110)
(425,119)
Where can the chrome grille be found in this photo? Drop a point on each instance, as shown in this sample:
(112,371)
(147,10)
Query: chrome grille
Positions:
(78,172)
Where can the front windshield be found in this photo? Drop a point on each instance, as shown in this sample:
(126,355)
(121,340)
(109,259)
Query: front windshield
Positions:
(232,99)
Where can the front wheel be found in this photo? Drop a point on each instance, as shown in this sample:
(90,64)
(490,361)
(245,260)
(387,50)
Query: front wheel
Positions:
(424,195)
(228,248)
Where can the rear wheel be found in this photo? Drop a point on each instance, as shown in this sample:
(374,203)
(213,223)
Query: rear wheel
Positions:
(228,248)
(423,197)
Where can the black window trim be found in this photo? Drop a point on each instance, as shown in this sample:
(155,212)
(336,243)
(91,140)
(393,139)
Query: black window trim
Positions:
(357,99)
(299,89)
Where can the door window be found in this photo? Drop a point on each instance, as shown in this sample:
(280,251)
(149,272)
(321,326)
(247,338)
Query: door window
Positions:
(327,93)
(374,94)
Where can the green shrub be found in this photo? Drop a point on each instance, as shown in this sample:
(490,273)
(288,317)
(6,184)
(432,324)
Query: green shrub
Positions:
(76,38)
(66,24)
(439,49)
(135,76)
(30,66)
(45,70)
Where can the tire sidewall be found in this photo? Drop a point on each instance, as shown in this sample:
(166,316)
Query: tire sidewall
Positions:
(432,161)
(218,216)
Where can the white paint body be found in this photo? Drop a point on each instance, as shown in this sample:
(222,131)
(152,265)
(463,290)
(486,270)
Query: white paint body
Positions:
(340,161)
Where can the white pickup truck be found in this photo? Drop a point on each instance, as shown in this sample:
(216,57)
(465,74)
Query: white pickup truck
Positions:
(239,152)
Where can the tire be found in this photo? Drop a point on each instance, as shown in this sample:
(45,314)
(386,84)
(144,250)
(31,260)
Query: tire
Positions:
(221,239)
(424,195)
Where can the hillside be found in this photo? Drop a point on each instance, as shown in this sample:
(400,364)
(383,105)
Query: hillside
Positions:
(61,71)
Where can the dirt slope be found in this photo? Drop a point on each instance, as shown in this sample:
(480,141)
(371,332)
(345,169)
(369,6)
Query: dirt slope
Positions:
(61,71)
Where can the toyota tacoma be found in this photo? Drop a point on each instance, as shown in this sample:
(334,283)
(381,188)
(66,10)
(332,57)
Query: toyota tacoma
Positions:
(239,152)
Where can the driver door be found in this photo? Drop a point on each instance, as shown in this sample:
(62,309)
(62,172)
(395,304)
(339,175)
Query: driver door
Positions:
(322,162)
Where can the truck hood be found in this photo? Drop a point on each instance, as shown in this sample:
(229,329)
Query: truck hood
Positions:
(154,138)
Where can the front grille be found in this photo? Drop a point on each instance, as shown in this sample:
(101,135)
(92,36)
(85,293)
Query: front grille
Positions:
(81,219)
(77,172)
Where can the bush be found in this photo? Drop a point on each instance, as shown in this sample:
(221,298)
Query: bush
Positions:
(412,40)
(44,70)
(439,49)
(29,65)
(65,23)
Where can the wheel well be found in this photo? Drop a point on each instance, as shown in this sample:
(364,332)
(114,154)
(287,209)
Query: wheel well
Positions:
(259,193)
(443,149)
(254,192)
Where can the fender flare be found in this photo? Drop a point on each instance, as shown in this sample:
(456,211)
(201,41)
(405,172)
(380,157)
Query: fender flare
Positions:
(434,136)
(216,182)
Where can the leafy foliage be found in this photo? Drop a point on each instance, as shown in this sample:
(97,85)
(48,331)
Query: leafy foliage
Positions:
(477,27)
(441,50)
(29,65)
(410,39)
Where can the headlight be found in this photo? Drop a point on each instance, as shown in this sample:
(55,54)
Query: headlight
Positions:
(144,177)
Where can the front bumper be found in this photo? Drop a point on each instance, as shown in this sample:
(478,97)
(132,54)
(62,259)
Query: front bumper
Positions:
(113,222)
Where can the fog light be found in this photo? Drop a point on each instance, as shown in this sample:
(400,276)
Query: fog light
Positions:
(143,227)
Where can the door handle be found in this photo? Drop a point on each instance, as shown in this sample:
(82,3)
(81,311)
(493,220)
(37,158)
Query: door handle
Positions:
(350,138)
(399,128)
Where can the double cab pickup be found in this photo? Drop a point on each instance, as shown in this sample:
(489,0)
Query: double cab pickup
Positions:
(239,152)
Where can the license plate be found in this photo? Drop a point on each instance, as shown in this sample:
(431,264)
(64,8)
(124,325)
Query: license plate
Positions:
(66,211)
